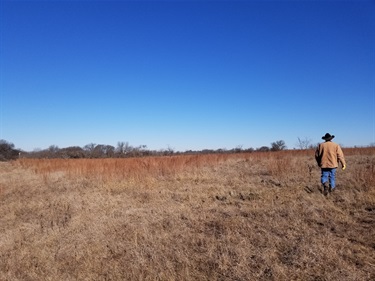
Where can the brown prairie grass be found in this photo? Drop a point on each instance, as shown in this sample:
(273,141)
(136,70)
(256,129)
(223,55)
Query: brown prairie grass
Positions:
(256,216)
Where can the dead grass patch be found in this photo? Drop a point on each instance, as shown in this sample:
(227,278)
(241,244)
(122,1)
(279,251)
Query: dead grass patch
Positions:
(253,216)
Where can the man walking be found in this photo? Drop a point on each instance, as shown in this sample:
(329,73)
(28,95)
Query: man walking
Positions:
(328,155)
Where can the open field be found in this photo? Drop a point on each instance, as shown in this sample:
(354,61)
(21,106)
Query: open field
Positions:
(256,216)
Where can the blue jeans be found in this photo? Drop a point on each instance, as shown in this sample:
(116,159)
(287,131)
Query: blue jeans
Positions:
(329,174)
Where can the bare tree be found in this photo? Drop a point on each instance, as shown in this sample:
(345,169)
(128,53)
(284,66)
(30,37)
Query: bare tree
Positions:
(89,148)
(123,147)
(304,143)
(238,148)
(120,147)
(278,145)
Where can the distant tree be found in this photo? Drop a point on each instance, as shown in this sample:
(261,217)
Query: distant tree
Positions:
(7,151)
(123,148)
(207,151)
(221,150)
(99,151)
(109,150)
(263,149)
(304,143)
(238,149)
(89,149)
(169,150)
(72,152)
(120,147)
(278,145)
(140,150)
(103,151)
(52,152)
(36,153)
(250,149)
(53,148)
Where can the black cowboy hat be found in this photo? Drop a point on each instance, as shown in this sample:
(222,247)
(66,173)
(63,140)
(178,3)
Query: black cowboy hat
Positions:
(328,137)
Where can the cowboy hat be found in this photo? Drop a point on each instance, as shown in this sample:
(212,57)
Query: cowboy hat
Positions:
(328,137)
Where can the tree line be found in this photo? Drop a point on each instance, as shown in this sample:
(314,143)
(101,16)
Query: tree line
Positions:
(122,150)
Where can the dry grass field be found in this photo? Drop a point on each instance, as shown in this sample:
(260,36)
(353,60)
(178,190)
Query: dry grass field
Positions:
(256,216)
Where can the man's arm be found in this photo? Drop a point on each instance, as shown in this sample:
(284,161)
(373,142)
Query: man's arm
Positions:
(318,156)
(340,156)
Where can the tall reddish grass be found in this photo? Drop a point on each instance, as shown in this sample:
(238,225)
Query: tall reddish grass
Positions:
(125,168)
(282,165)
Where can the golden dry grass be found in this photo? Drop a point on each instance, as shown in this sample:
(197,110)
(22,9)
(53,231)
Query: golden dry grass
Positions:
(256,216)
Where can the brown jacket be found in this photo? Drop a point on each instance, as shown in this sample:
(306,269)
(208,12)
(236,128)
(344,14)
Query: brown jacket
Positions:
(329,154)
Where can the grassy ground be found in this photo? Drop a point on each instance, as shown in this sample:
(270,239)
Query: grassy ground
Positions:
(256,216)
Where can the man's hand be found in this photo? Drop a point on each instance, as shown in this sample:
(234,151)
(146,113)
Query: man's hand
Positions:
(343,167)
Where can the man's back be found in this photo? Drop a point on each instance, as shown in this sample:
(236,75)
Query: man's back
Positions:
(328,154)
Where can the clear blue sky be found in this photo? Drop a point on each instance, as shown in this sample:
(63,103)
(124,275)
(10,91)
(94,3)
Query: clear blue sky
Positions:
(186,74)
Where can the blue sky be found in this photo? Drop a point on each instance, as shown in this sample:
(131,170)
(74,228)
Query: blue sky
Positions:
(186,74)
